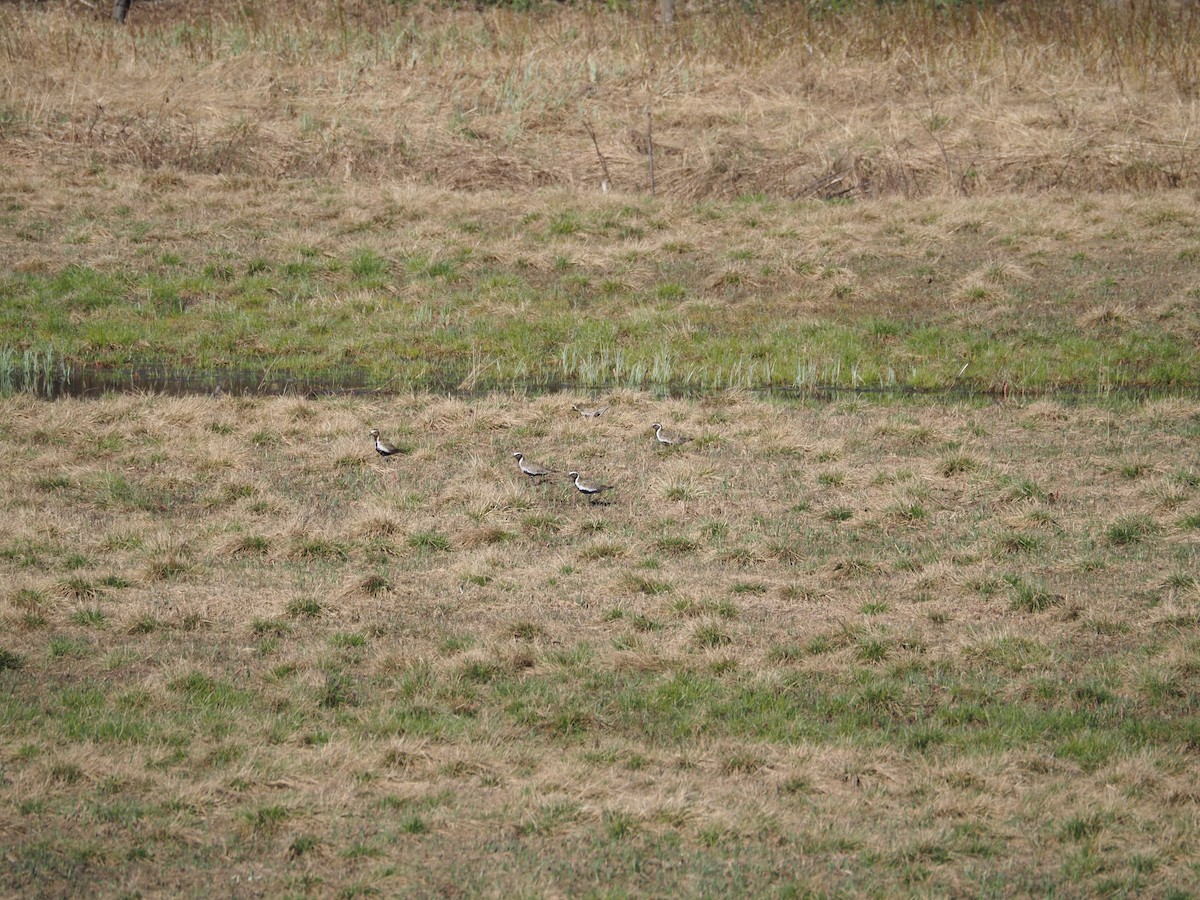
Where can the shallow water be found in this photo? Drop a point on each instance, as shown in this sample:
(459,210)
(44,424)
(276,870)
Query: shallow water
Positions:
(95,382)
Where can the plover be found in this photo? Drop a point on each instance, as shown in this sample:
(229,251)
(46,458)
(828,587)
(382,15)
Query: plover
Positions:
(666,437)
(533,471)
(588,488)
(589,412)
(382,447)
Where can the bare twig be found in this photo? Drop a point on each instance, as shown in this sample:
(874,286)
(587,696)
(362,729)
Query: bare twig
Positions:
(827,187)
(587,123)
(650,144)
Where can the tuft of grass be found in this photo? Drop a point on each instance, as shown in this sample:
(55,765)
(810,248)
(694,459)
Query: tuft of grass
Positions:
(644,623)
(272,627)
(1029,597)
(1131,530)
(959,464)
(337,690)
(78,588)
(429,541)
(414,825)
(306,548)
(527,631)
(28,599)
(1020,542)
(1027,489)
(710,635)
(602,550)
(145,624)
(251,545)
(266,820)
(675,545)
(873,649)
(305,607)
(541,524)
(90,616)
(302,845)
(65,647)
(749,587)
(374,585)
(785,653)
(649,586)
(910,513)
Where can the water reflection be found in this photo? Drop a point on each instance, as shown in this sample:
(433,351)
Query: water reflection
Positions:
(95,382)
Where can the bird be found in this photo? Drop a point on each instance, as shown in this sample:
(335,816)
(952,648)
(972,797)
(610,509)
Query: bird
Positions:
(382,447)
(530,469)
(589,412)
(589,488)
(666,437)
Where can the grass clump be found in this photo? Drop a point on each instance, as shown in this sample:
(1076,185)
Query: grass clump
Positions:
(527,631)
(337,690)
(91,617)
(1020,542)
(309,548)
(957,465)
(266,820)
(79,588)
(710,635)
(649,586)
(430,541)
(305,608)
(1030,597)
(675,545)
(1131,530)
(145,624)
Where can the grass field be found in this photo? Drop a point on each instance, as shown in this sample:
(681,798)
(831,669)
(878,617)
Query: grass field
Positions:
(886,644)
(848,648)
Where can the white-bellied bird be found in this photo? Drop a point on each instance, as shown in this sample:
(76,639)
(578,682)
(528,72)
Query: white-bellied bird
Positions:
(382,447)
(590,489)
(530,469)
(668,438)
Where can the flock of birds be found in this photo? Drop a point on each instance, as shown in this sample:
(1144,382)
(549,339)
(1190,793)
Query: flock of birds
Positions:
(588,487)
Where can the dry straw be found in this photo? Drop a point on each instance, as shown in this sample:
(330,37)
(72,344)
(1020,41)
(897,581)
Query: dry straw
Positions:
(789,100)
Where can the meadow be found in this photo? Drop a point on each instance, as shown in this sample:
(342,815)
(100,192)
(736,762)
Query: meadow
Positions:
(833,648)
(913,613)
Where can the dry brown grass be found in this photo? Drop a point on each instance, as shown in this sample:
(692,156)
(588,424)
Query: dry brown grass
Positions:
(789,101)
(841,648)
(229,657)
